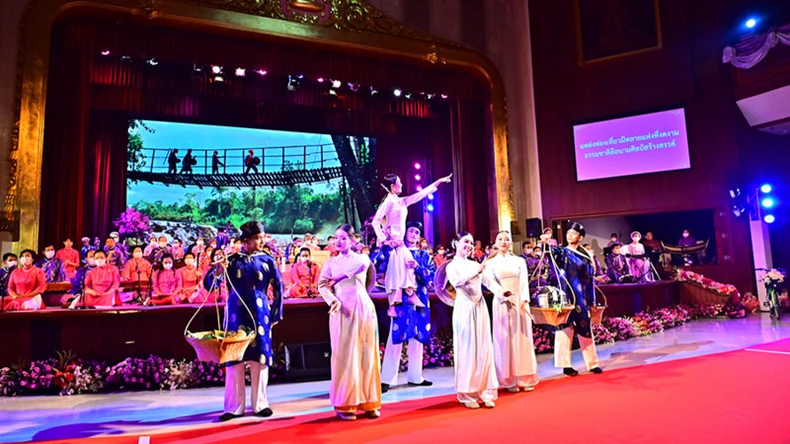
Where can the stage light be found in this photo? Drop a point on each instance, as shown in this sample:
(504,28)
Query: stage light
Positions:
(219,79)
(126,59)
(262,72)
(152,62)
(769,218)
(767,202)
(751,23)
(408,95)
(417,177)
(417,166)
(196,69)
(332,92)
(373,91)
(292,83)
(430,197)
(337,84)
(396,92)
(735,193)
(766,188)
(444,96)
(105,52)
(241,72)
(353,86)
(320,80)
(216,69)
(419,187)
(430,96)
(429,207)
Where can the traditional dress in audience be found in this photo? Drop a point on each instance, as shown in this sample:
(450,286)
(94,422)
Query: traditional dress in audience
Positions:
(177,250)
(600,272)
(26,285)
(78,282)
(473,350)
(251,274)
(53,268)
(440,257)
(191,278)
(161,250)
(688,241)
(204,263)
(638,263)
(616,265)
(507,277)
(651,244)
(411,324)
(119,245)
(70,258)
(137,268)
(579,282)
(330,245)
(115,256)
(353,330)
(547,237)
(613,240)
(219,293)
(149,249)
(167,283)
(102,284)
(9,265)
(304,277)
(86,247)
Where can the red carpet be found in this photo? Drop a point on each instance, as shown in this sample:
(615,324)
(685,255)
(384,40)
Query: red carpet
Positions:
(737,397)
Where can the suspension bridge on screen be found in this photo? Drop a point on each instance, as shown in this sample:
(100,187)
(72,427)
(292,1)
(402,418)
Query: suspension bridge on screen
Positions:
(271,166)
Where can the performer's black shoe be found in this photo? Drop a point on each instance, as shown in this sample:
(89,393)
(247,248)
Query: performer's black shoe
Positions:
(385,388)
(228,416)
(570,371)
(265,413)
(596,370)
(424,383)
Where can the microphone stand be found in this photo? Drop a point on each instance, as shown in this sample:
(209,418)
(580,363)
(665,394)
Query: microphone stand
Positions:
(137,271)
(81,305)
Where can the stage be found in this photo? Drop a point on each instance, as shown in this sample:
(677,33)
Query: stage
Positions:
(645,386)
(114,334)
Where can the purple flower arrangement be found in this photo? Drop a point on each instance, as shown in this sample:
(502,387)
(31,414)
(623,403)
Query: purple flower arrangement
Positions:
(602,334)
(621,328)
(133,224)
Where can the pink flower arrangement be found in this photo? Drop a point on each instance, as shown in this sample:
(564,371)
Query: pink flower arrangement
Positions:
(750,303)
(682,275)
(133,224)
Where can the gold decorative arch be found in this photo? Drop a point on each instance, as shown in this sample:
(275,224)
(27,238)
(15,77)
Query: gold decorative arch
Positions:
(342,23)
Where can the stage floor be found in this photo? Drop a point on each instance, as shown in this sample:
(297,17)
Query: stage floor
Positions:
(150,413)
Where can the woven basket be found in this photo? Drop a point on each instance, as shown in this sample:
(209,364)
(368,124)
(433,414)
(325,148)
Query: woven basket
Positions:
(596,311)
(551,316)
(219,350)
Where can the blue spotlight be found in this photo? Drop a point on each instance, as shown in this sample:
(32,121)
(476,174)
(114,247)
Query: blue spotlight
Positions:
(768,202)
(769,218)
(766,188)
(751,23)
(430,208)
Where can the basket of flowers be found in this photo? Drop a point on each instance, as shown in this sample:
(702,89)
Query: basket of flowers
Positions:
(596,311)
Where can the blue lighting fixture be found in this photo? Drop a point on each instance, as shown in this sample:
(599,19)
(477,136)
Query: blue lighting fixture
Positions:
(766,188)
(751,23)
(767,202)
(769,218)
(430,208)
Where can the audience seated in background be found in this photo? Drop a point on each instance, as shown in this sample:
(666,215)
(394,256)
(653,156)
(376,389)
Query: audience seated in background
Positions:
(10,262)
(53,268)
(220,291)
(304,275)
(25,285)
(137,268)
(101,284)
(166,283)
(191,278)
(115,256)
(70,258)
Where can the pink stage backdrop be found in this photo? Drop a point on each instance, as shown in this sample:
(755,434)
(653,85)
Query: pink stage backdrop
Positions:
(647,143)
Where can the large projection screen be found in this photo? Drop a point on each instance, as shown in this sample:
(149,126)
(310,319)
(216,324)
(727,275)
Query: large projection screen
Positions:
(647,143)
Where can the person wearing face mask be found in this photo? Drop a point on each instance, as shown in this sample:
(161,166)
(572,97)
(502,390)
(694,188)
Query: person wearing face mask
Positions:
(9,265)
(292,254)
(101,284)
(137,268)
(191,278)
(54,270)
(547,237)
(613,240)
(687,240)
(86,247)
(177,250)
(199,248)
(441,256)
(304,275)
(119,245)
(70,258)
(25,285)
(475,371)
(162,249)
(507,277)
(616,266)
(330,245)
(167,283)
(114,255)
(638,262)
(250,274)
(578,270)
(600,272)
(149,249)
(220,291)
(412,324)
(204,261)
(71,299)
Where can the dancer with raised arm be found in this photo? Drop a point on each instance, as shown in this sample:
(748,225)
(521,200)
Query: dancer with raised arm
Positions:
(250,274)
(475,375)
(507,277)
(389,223)
(576,277)
(411,324)
(353,330)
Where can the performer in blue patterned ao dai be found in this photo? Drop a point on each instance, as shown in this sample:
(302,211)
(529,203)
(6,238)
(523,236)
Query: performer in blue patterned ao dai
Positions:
(54,269)
(616,266)
(638,262)
(353,330)
(475,375)
(577,271)
(411,323)
(250,273)
(507,277)
(389,223)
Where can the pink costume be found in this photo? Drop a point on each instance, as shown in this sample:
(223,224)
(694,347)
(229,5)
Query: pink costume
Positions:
(24,281)
(191,281)
(167,286)
(305,277)
(69,255)
(395,209)
(105,281)
(136,269)
(217,294)
(178,253)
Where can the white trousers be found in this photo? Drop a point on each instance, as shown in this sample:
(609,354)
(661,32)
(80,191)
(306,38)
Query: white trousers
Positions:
(563,342)
(485,396)
(389,370)
(235,392)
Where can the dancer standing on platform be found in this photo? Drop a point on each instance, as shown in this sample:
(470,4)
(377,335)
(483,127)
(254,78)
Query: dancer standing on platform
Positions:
(389,223)
(577,271)
(507,277)
(475,375)
(251,273)
(411,324)
(353,330)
